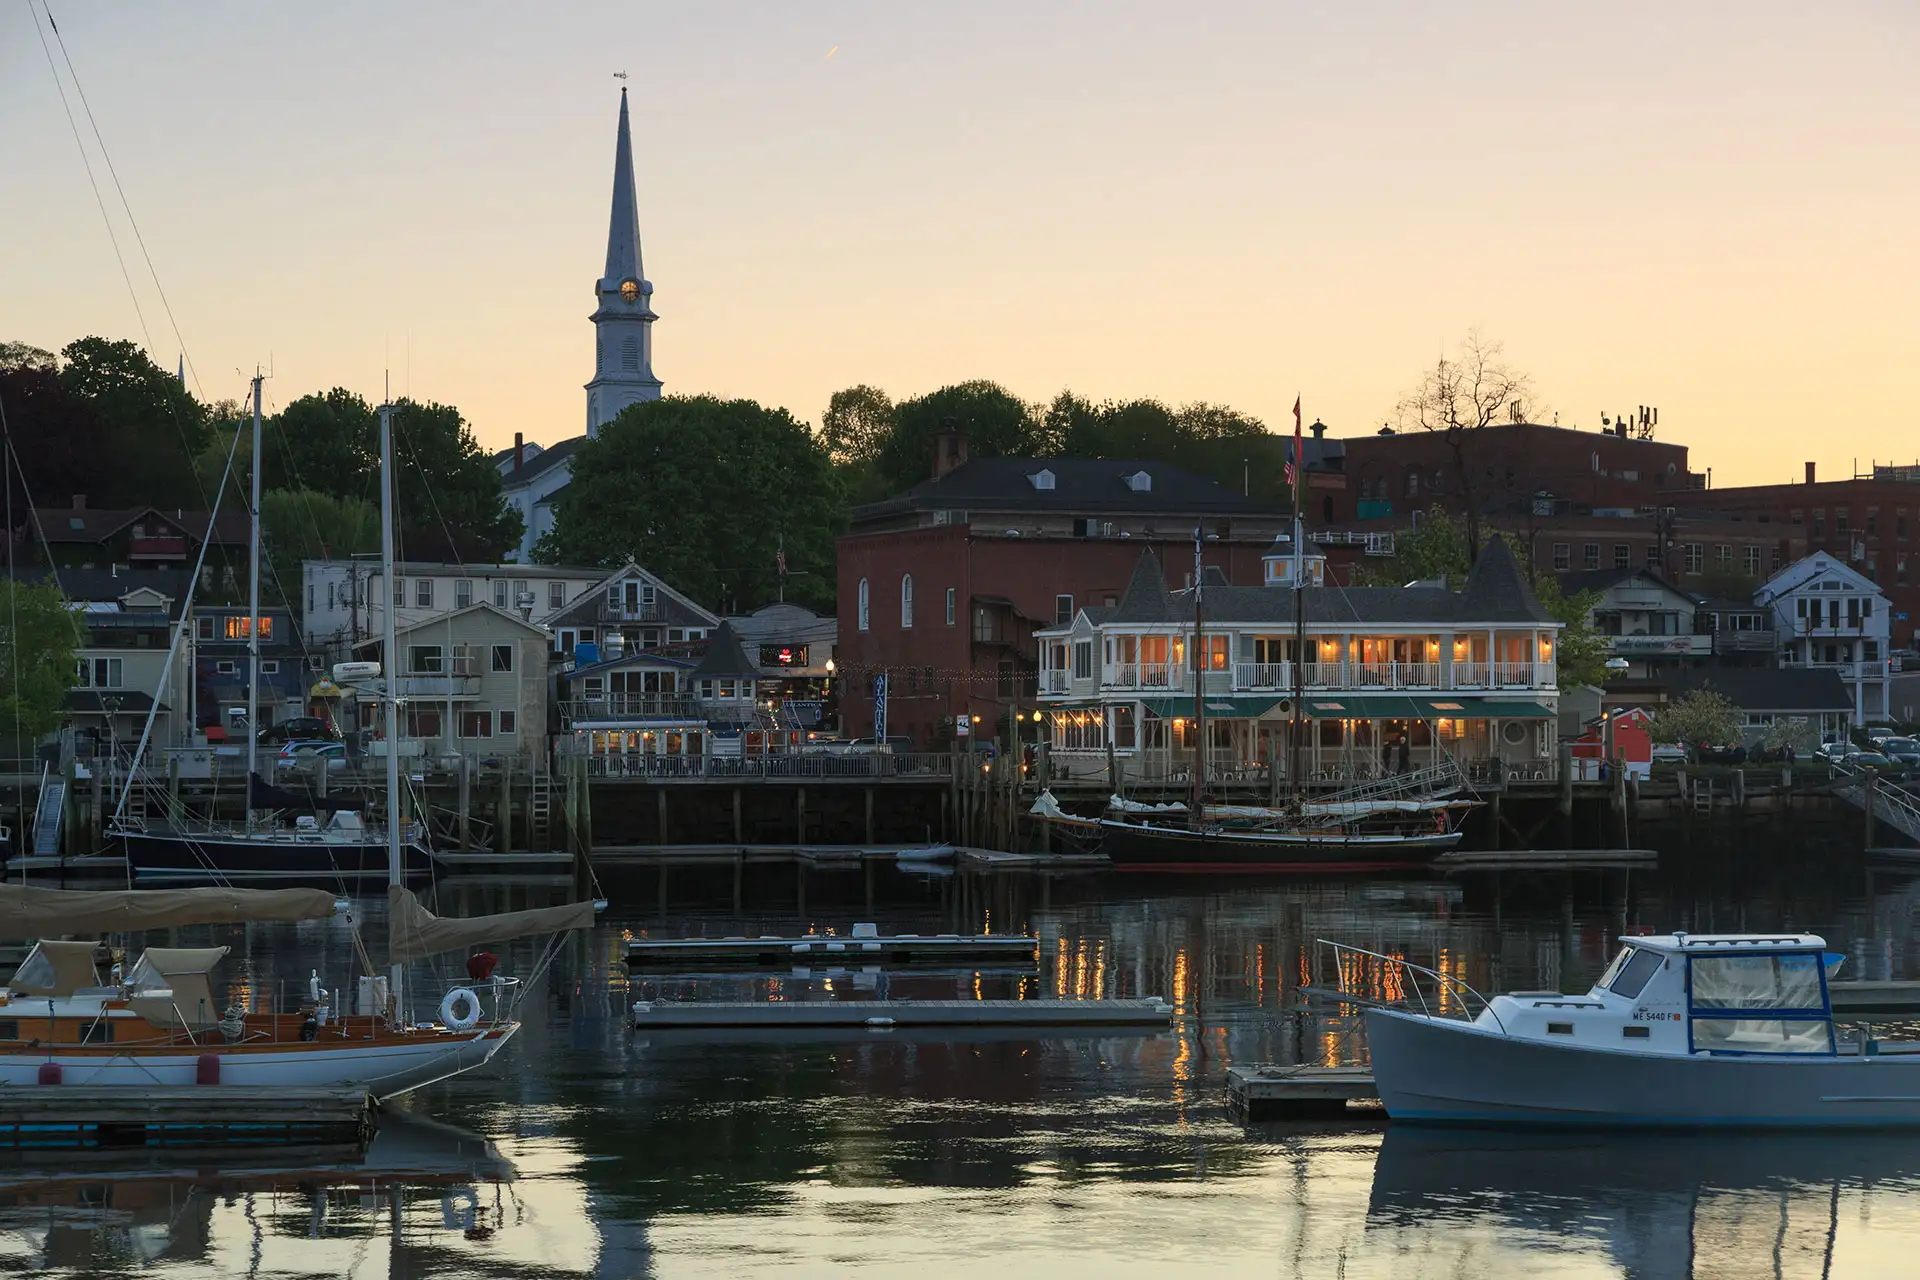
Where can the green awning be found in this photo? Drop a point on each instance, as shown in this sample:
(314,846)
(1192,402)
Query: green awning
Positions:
(1239,706)
(1482,709)
(1361,706)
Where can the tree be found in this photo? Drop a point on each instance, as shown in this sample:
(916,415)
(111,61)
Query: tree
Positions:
(155,429)
(706,493)
(39,635)
(448,488)
(20,355)
(997,424)
(1459,397)
(63,445)
(328,443)
(856,424)
(297,525)
(1699,715)
(1583,650)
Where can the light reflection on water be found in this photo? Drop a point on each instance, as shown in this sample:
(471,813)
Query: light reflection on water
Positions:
(588,1150)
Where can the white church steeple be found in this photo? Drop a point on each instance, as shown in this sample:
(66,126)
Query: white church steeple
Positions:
(623,322)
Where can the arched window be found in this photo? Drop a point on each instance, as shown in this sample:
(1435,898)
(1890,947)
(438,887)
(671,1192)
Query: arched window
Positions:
(906,601)
(863,604)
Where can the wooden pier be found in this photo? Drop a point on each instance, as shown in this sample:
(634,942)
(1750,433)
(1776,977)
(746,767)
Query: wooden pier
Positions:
(882,1015)
(1279,1093)
(91,1116)
(860,948)
(1544,859)
(1887,999)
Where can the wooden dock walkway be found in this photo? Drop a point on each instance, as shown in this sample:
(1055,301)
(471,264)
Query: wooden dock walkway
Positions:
(92,1116)
(870,948)
(1277,1093)
(1544,859)
(881,1015)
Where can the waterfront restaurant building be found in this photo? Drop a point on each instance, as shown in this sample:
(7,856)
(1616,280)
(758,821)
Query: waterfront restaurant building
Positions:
(1394,678)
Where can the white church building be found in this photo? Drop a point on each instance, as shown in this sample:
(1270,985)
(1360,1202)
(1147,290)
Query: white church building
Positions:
(533,476)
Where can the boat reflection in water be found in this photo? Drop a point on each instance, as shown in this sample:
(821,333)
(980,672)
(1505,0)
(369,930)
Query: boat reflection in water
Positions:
(1659,1206)
(91,1208)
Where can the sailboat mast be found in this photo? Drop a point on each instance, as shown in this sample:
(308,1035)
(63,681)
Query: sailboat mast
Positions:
(396,872)
(253,612)
(1199,694)
(1299,658)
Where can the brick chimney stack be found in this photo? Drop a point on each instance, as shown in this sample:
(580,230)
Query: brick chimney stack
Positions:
(949,450)
(1809,473)
(519,449)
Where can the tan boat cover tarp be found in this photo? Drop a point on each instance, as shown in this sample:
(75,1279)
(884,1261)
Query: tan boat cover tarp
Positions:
(183,971)
(414,932)
(57,969)
(31,913)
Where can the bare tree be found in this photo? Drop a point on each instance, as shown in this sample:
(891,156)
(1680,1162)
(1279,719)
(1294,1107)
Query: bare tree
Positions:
(1458,397)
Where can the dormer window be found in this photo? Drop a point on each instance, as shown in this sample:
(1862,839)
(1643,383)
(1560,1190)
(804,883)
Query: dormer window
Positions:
(1140,482)
(1042,479)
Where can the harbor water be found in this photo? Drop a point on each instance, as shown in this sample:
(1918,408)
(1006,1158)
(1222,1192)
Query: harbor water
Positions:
(590,1150)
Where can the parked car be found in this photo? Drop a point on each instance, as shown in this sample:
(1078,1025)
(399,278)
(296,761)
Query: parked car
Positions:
(1905,751)
(1835,750)
(298,729)
(899,744)
(1669,753)
(1870,760)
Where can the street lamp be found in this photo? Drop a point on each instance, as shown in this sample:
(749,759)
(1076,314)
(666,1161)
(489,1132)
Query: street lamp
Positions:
(1616,667)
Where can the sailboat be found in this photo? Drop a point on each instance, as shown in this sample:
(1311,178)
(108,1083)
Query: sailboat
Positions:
(343,848)
(156,1023)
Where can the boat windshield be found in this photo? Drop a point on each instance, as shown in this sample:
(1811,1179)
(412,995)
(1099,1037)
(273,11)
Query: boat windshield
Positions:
(1631,974)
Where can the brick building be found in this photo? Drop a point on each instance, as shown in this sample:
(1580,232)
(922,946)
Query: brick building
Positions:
(942,587)
(1871,523)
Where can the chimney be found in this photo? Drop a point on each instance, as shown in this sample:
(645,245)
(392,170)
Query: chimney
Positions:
(519,449)
(1809,473)
(949,449)
(1319,429)
(79,502)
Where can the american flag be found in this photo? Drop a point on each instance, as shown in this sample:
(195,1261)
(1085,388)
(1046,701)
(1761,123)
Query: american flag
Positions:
(1297,463)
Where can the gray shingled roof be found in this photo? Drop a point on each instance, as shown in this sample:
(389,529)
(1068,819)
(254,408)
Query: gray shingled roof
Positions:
(1501,596)
(1146,598)
(1497,591)
(1770,688)
(1083,485)
(724,656)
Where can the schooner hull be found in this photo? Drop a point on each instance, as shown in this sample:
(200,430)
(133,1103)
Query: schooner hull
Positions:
(384,1069)
(161,855)
(1144,847)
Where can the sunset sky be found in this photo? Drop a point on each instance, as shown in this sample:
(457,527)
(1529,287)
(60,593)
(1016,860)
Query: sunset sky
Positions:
(1710,208)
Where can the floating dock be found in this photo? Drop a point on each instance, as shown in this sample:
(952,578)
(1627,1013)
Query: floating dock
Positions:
(1543,859)
(812,948)
(882,1015)
(1279,1093)
(59,1115)
(1888,999)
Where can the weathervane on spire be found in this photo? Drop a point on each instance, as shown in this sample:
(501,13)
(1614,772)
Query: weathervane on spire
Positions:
(619,75)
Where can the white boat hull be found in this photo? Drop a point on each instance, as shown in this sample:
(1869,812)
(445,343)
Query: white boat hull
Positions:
(385,1070)
(1438,1070)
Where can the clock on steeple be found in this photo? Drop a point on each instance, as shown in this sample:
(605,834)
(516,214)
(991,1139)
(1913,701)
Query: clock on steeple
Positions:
(630,290)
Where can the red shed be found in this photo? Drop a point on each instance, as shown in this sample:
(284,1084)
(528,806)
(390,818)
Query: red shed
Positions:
(1632,743)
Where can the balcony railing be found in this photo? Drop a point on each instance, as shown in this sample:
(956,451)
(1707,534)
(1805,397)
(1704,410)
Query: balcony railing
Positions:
(634,706)
(631,612)
(1263,676)
(425,685)
(1396,675)
(1146,675)
(1876,670)
(1054,681)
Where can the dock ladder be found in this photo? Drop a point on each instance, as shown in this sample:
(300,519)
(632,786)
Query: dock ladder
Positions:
(539,809)
(48,812)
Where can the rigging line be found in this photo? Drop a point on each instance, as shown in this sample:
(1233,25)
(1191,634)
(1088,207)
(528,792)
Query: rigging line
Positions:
(88,164)
(113,173)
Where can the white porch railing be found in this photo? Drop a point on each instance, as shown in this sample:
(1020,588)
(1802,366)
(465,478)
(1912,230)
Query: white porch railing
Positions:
(1145,675)
(1396,675)
(1263,675)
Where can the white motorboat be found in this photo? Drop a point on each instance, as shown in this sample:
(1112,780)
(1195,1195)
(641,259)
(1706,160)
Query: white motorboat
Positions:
(1681,1031)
